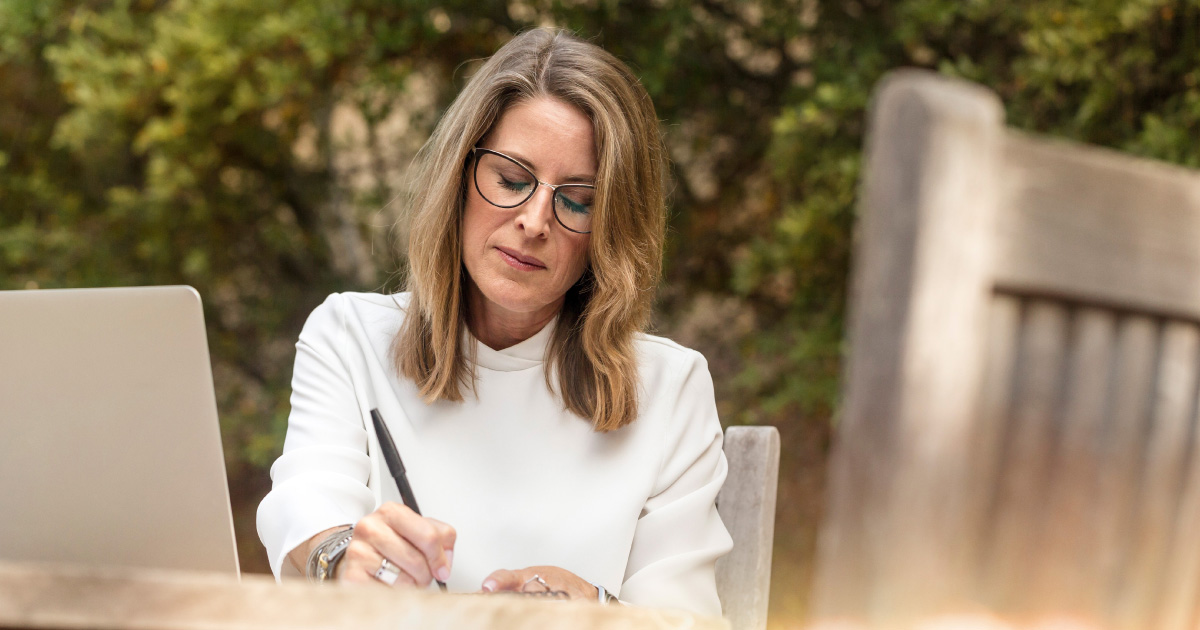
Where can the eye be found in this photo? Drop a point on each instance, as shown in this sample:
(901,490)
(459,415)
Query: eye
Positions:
(507,175)
(576,199)
(513,179)
(513,185)
(574,206)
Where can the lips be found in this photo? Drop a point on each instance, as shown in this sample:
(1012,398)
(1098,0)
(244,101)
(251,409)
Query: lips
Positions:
(519,260)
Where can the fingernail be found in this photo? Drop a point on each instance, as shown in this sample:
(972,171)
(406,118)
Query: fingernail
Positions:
(443,574)
(489,586)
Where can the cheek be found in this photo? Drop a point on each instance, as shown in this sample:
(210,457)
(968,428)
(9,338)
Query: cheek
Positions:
(475,226)
(578,253)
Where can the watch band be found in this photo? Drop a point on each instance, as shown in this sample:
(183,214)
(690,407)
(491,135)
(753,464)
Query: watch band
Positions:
(325,557)
(603,596)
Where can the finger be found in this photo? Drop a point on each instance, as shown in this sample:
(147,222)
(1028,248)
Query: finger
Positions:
(382,531)
(448,536)
(361,563)
(558,580)
(352,568)
(429,537)
(502,580)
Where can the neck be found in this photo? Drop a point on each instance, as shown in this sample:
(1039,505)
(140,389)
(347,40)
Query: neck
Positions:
(499,328)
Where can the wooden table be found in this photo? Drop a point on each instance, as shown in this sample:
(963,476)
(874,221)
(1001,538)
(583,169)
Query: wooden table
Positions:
(67,598)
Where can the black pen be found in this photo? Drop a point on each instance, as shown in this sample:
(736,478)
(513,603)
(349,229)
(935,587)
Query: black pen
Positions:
(392,457)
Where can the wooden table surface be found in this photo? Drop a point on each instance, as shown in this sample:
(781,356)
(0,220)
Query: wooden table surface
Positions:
(68,598)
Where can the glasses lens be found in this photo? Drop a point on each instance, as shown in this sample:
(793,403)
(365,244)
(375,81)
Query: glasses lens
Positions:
(501,181)
(573,205)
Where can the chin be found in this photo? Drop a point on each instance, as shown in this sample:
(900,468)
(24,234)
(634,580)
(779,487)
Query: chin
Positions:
(512,296)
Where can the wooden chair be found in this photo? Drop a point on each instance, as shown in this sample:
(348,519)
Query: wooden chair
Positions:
(747,506)
(1019,423)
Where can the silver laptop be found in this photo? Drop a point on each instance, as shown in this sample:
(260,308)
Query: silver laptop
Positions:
(110,452)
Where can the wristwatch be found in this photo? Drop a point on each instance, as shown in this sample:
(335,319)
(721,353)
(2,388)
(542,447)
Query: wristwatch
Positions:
(325,557)
(604,597)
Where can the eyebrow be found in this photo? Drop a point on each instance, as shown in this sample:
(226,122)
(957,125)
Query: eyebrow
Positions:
(573,179)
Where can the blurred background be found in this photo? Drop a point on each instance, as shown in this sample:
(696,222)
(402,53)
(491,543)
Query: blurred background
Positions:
(250,148)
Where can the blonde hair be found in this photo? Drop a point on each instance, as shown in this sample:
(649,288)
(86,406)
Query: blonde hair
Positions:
(592,350)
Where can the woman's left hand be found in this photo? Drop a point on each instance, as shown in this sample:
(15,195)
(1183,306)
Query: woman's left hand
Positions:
(556,579)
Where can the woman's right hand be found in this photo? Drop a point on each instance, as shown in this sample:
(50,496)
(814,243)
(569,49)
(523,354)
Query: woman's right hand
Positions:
(421,548)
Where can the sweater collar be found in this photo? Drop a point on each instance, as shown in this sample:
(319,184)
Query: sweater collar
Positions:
(522,356)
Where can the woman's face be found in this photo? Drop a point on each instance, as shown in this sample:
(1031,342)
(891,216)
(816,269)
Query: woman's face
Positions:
(521,259)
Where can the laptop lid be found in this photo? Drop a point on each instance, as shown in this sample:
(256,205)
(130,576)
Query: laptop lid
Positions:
(110,451)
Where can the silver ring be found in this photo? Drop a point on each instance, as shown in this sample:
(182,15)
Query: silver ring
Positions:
(536,578)
(387,573)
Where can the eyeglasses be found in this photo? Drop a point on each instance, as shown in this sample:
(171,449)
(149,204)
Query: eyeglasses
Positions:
(506,183)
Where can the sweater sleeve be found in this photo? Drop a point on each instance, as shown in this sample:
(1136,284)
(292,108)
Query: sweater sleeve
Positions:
(679,535)
(320,480)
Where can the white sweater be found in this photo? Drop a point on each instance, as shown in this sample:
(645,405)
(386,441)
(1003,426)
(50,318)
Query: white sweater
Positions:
(523,481)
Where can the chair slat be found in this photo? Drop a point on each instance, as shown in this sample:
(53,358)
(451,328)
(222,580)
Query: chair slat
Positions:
(1123,440)
(1068,534)
(1161,480)
(1178,610)
(1021,494)
(747,507)
(987,465)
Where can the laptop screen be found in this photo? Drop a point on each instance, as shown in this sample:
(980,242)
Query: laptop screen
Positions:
(110,450)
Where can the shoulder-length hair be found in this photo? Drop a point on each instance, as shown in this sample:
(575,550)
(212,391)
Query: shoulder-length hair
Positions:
(592,349)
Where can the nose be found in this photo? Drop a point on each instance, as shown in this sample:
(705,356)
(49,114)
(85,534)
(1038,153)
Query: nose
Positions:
(537,213)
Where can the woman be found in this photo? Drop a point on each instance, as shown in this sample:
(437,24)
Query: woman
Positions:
(551,444)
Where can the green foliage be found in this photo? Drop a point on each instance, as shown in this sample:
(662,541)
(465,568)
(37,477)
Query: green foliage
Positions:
(193,141)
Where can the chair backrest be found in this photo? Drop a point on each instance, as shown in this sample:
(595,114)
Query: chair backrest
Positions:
(1019,420)
(747,506)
